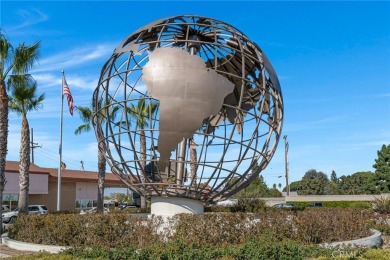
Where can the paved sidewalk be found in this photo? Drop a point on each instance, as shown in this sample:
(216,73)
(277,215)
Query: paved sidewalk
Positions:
(6,252)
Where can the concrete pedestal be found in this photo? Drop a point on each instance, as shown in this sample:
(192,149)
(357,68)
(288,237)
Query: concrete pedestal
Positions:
(170,206)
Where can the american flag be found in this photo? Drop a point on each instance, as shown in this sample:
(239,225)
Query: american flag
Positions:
(66,91)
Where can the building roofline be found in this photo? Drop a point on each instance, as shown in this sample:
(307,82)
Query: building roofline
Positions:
(13,166)
(66,175)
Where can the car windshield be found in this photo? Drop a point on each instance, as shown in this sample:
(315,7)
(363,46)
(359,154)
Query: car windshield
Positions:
(44,207)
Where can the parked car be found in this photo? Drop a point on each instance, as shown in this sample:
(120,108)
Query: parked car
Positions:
(10,217)
(284,206)
(5,208)
(94,210)
(316,204)
(127,206)
(38,209)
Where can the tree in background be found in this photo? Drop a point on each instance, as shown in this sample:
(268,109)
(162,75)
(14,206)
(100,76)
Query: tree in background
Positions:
(12,63)
(382,169)
(86,115)
(121,198)
(274,192)
(317,183)
(258,189)
(24,99)
(333,177)
(314,183)
(142,112)
(357,183)
(333,184)
(295,186)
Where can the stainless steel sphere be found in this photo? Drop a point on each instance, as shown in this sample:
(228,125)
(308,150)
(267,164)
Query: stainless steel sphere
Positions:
(188,106)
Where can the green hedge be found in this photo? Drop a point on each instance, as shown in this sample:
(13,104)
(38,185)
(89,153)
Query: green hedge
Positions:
(315,225)
(336,204)
(266,249)
(251,250)
(110,230)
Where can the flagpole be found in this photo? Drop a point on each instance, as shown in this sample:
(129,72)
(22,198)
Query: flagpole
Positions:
(60,148)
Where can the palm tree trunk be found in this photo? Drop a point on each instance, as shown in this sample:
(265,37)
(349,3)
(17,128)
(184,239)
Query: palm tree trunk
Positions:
(143,163)
(193,162)
(24,166)
(101,179)
(3,143)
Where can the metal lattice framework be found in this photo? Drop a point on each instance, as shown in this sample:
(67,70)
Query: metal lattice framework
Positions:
(229,149)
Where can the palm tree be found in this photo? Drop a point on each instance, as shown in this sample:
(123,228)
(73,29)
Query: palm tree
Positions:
(142,113)
(193,160)
(86,115)
(24,99)
(11,63)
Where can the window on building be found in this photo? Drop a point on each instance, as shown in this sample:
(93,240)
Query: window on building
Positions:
(11,200)
(83,203)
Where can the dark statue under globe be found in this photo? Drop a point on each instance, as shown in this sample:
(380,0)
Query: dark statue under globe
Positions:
(188,111)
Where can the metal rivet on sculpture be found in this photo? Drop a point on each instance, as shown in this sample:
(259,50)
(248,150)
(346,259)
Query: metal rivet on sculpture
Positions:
(187,107)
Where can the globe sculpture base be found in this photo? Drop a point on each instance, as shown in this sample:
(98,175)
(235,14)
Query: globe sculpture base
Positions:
(170,206)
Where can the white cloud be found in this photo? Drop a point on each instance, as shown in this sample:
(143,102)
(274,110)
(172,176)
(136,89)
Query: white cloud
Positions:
(74,57)
(384,95)
(48,80)
(316,124)
(29,18)
(45,80)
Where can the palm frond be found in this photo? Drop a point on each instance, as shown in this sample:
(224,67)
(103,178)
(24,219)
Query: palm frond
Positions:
(83,129)
(20,81)
(36,103)
(15,106)
(6,51)
(85,114)
(142,112)
(25,58)
(24,94)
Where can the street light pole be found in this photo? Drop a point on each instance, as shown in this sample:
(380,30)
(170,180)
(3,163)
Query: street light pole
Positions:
(286,162)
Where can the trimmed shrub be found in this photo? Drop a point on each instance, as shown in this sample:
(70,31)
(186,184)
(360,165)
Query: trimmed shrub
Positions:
(110,230)
(315,225)
(377,254)
(266,248)
(253,205)
(46,256)
(318,225)
(336,204)
(312,226)
(250,250)
(356,253)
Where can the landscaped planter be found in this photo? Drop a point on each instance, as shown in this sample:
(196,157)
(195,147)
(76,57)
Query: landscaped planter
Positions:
(367,242)
(24,246)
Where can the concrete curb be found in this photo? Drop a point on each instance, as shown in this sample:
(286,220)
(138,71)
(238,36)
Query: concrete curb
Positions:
(367,242)
(24,246)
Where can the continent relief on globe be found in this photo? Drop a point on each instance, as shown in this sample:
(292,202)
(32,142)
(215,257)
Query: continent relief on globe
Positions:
(188,92)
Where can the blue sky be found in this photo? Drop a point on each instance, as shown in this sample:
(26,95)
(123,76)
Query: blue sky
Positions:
(332,59)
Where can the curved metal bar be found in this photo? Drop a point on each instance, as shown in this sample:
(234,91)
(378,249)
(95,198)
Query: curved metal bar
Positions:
(250,120)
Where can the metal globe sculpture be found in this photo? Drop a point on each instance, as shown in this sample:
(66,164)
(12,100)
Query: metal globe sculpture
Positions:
(188,107)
